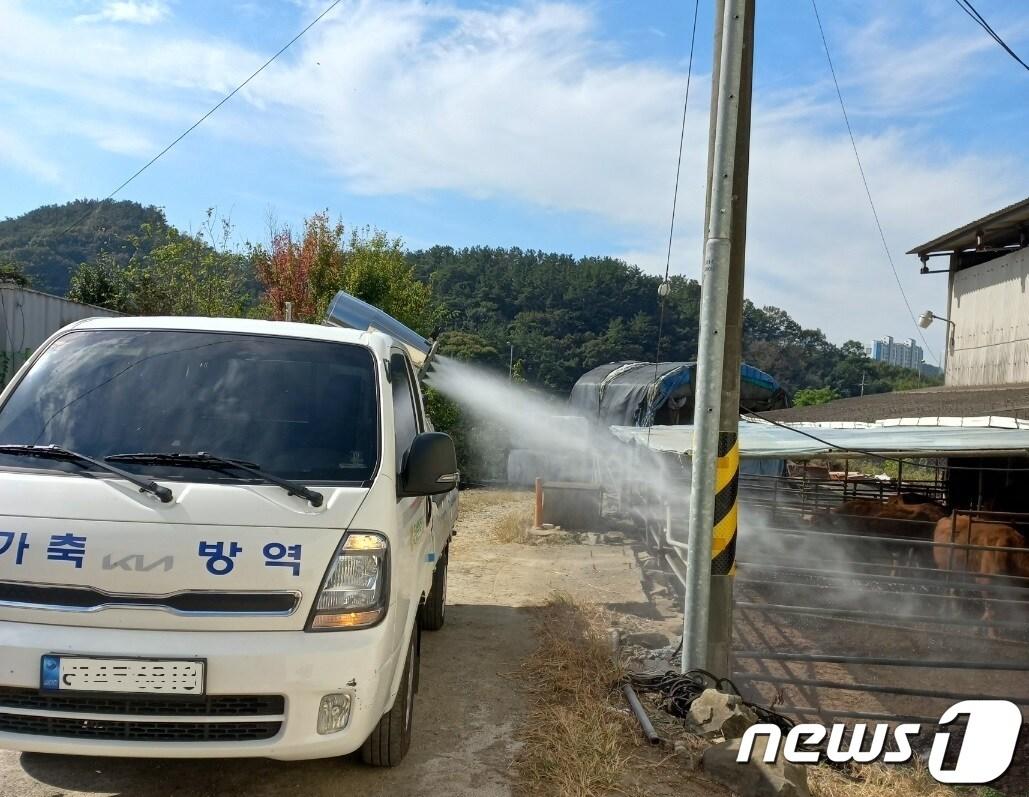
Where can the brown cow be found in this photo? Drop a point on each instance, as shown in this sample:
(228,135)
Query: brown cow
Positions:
(917,517)
(896,507)
(987,564)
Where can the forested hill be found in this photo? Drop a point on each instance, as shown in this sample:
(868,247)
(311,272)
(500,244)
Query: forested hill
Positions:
(41,242)
(565,316)
(562,315)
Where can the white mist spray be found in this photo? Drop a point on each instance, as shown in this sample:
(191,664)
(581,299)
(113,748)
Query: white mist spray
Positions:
(544,426)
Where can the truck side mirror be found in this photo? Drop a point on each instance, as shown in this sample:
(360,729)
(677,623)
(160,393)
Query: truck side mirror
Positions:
(431,466)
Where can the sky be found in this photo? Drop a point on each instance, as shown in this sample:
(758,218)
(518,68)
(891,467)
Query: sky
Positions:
(543,125)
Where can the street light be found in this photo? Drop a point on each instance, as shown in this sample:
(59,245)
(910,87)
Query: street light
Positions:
(929,316)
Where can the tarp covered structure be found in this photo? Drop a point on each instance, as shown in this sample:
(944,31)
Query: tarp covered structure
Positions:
(638,394)
(949,437)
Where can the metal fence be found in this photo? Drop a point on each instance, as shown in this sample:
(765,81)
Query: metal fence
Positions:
(834,622)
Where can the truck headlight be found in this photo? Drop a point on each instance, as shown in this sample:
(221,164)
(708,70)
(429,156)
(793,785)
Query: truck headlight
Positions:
(355,590)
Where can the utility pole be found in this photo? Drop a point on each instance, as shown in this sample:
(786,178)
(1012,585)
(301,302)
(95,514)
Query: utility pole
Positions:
(863,374)
(711,556)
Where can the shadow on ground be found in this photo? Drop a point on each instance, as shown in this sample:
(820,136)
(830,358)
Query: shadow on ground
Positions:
(467,710)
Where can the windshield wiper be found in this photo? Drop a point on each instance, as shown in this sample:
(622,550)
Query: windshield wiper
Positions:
(204,460)
(57,452)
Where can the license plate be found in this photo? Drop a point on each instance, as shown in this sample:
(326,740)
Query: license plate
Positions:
(153,676)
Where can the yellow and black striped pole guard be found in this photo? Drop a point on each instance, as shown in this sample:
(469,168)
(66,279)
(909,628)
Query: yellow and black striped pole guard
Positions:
(727,480)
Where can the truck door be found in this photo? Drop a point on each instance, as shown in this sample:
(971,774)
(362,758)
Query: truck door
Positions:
(415,513)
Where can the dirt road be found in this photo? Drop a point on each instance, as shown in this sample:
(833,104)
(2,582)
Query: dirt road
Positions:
(467,710)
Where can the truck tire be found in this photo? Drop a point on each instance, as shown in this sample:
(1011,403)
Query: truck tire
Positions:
(389,742)
(432,613)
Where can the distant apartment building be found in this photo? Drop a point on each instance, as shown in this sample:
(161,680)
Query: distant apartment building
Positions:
(906,354)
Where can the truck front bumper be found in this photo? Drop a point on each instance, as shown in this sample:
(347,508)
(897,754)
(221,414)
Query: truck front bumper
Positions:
(300,667)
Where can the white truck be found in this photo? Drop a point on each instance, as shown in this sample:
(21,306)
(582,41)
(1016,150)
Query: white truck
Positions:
(218,538)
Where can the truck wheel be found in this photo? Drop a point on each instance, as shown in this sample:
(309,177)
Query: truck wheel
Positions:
(432,613)
(389,742)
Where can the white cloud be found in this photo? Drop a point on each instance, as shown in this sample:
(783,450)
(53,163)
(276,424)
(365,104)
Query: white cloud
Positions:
(532,103)
(19,154)
(137,12)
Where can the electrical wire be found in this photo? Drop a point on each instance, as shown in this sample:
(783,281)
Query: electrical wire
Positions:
(201,120)
(679,690)
(864,180)
(675,195)
(968,8)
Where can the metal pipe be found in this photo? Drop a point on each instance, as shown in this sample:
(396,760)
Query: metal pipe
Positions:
(817,611)
(883,661)
(1011,583)
(679,546)
(641,714)
(537,515)
(875,688)
(711,351)
(886,595)
(897,540)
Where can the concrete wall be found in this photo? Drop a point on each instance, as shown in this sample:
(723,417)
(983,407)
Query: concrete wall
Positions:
(989,306)
(27,318)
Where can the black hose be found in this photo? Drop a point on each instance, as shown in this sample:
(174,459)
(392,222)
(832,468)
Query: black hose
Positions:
(641,714)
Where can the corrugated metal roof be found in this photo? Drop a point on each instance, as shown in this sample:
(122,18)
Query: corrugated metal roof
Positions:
(1010,400)
(762,440)
(1000,228)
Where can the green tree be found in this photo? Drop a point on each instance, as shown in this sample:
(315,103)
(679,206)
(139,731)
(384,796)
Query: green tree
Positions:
(51,241)
(377,272)
(99,282)
(810,396)
(308,270)
(176,274)
(13,273)
(468,347)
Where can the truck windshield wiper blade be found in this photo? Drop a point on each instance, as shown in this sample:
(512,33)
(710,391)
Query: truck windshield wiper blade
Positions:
(202,459)
(57,452)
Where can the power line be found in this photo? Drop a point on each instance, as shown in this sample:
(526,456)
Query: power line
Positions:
(864,180)
(682,139)
(675,192)
(968,8)
(203,118)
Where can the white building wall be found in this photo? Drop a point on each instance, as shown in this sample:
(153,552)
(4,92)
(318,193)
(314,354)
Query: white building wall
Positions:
(28,318)
(990,310)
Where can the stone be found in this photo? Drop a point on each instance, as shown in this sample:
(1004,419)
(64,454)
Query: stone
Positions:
(614,538)
(555,537)
(646,639)
(718,714)
(689,756)
(754,778)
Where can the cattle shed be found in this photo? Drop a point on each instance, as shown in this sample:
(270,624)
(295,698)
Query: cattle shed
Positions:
(985,478)
(987,309)
(28,318)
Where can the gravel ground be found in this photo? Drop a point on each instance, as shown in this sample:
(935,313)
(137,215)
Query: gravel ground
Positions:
(467,710)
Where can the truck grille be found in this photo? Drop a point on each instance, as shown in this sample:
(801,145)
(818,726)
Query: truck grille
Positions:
(209,706)
(86,599)
(139,731)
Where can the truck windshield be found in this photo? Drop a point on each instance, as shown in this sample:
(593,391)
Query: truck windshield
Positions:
(303,410)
